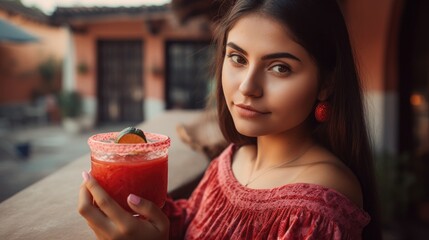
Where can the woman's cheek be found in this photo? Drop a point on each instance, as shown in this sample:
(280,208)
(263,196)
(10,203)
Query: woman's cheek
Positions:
(228,80)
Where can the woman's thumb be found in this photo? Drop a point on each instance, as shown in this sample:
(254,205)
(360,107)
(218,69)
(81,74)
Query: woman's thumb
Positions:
(150,211)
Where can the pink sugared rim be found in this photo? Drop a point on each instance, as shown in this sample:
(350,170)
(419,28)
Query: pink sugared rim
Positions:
(155,142)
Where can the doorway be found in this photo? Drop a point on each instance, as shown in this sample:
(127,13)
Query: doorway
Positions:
(120,81)
(188,74)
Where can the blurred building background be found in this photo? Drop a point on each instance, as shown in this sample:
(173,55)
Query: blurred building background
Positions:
(92,66)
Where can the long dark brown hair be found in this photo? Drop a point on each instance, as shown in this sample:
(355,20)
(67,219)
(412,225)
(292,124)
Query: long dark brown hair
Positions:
(318,26)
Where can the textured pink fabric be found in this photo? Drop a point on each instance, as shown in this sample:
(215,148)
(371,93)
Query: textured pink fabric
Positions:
(222,208)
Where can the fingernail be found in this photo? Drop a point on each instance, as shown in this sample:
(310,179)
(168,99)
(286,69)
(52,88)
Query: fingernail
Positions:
(85,176)
(134,199)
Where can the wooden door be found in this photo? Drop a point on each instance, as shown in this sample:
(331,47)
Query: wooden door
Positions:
(120,83)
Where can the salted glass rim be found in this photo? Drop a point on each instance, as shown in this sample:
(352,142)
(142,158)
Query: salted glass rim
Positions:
(155,142)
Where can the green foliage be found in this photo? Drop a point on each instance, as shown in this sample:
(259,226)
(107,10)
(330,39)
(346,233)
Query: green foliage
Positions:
(395,183)
(82,68)
(48,69)
(70,103)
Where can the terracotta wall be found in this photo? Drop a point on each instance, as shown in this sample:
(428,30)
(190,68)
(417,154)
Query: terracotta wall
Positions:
(19,77)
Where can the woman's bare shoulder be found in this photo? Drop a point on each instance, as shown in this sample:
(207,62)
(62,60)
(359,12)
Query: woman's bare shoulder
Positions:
(328,171)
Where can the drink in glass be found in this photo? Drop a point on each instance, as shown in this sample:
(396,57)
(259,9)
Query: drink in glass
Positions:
(125,168)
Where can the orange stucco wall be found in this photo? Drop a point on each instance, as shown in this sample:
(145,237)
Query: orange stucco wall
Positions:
(153,49)
(373,26)
(19,62)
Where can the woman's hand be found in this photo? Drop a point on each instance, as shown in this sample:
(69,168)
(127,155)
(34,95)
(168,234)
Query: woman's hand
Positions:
(110,221)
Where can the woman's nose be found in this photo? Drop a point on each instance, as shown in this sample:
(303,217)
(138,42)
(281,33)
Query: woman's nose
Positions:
(251,84)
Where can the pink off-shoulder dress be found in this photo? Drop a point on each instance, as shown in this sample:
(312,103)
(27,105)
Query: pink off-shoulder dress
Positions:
(222,208)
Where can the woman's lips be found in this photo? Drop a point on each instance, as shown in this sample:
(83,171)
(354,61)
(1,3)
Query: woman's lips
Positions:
(248,111)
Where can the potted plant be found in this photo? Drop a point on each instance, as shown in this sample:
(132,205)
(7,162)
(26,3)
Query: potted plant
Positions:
(70,103)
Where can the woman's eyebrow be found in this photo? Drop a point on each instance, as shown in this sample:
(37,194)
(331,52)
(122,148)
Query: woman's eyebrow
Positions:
(236,47)
(281,55)
(266,57)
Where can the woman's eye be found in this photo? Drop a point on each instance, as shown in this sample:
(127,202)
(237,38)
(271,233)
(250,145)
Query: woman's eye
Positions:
(282,69)
(237,59)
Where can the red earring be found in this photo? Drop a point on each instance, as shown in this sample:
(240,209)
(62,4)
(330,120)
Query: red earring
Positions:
(322,111)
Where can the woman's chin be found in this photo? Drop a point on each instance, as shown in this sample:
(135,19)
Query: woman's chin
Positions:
(249,133)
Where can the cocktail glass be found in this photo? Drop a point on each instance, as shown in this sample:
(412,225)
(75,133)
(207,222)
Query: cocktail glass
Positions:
(138,168)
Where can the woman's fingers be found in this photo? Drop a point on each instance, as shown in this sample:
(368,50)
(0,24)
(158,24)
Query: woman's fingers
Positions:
(150,211)
(105,203)
(92,214)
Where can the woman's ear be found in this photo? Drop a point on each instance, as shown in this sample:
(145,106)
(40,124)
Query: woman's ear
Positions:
(326,88)
(324,93)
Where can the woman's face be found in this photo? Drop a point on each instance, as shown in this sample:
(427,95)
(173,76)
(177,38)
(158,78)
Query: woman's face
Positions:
(270,82)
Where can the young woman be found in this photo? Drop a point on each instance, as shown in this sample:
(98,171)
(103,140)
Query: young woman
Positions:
(299,165)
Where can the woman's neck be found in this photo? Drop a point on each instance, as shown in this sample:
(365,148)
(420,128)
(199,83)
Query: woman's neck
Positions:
(276,149)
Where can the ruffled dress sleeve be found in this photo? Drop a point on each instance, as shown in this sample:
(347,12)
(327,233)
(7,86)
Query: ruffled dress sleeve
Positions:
(222,208)
(181,212)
